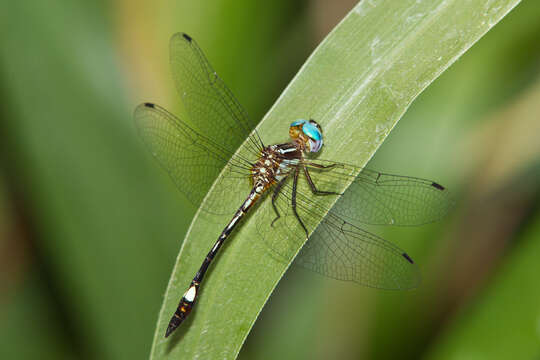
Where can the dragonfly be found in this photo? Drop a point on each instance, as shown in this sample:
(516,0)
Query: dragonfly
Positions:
(291,187)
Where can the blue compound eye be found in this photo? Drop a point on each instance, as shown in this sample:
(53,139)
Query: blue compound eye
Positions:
(312,131)
(298,122)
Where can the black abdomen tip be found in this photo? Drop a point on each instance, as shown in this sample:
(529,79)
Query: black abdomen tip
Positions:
(437,186)
(407,257)
(150,105)
(187,37)
(176,320)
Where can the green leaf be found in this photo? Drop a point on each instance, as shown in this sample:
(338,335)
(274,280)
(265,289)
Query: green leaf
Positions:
(357,84)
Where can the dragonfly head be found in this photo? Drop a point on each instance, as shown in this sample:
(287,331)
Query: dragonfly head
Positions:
(308,134)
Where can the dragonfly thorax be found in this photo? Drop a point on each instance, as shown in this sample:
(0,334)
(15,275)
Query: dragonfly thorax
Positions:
(275,163)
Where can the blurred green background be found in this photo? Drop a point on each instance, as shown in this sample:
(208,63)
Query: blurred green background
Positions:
(90,226)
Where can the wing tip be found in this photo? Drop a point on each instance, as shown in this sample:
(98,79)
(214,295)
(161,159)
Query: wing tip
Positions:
(438,186)
(408,258)
(149,105)
(187,37)
(141,110)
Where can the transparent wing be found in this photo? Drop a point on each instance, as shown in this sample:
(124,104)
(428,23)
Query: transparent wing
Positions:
(192,160)
(211,105)
(340,250)
(195,157)
(378,198)
(336,248)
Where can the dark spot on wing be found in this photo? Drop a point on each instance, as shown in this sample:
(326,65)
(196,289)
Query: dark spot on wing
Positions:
(187,37)
(150,105)
(437,186)
(407,258)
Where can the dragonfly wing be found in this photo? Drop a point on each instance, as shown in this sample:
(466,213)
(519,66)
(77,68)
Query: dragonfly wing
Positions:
(336,248)
(342,251)
(192,161)
(381,199)
(211,105)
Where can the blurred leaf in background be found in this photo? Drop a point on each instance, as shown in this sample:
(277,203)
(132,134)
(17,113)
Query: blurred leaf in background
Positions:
(98,222)
(90,226)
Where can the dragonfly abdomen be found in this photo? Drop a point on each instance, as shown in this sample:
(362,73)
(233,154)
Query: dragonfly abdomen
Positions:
(188,300)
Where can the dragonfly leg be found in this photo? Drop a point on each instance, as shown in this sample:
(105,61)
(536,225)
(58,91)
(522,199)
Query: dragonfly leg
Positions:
(293,200)
(319,166)
(274,198)
(314,188)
